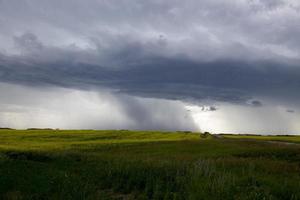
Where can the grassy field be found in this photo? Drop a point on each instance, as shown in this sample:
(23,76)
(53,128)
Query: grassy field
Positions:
(281,138)
(51,164)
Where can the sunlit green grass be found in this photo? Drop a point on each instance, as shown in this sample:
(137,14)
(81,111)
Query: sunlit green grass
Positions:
(54,139)
(52,164)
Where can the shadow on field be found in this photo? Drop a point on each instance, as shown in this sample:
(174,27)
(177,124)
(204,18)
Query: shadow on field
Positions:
(31,156)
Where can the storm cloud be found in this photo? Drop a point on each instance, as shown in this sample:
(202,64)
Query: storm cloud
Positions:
(24,107)
(244,53)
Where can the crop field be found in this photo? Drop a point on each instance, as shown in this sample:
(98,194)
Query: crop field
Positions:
(89,164)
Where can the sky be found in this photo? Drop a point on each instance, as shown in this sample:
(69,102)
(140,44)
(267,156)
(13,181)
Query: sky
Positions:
(225,66)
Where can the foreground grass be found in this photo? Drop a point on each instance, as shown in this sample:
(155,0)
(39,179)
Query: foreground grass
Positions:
(45,164)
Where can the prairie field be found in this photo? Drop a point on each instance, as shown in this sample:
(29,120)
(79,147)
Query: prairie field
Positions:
(122,164)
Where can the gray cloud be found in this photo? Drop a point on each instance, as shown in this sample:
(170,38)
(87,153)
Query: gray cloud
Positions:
(197,51)
(208,108)
(290,111)
(27,42)
(151,76)
(209,29)
(24,107)
(256,103)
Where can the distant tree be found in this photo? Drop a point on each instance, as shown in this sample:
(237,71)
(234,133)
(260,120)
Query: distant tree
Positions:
(205,135)
(5,128)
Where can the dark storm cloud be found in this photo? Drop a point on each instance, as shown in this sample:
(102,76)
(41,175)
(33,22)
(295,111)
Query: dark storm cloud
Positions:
(256,103)
(168,78)
(208,108)
(211,50)
(290,111)
(212,108)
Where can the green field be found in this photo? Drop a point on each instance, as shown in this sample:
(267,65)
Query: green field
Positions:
(52,164)
(279,138)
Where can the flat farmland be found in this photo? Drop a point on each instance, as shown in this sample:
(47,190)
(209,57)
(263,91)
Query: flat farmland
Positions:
(122,164)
